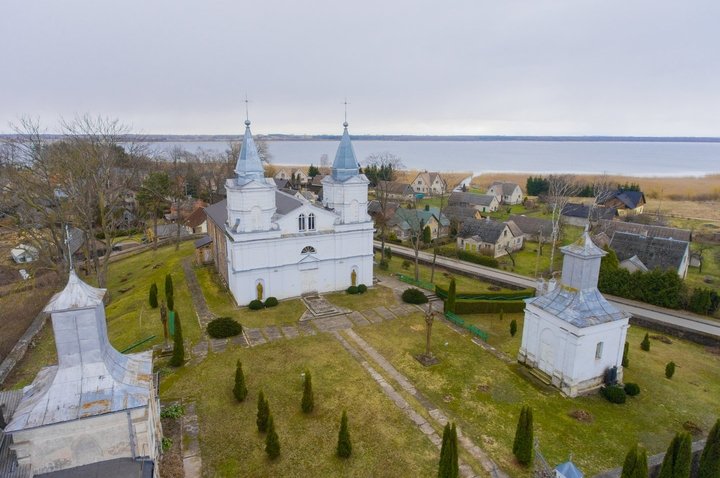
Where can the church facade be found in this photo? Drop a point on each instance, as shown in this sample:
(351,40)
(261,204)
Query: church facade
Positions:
(572,335)
(267,243)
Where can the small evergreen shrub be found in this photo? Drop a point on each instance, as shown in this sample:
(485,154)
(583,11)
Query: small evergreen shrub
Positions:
(614,394)
(645,344)
(352,290)
(513,327)
(272,442)
(362,288)
(263,412)
(166,444)
(168,285)
(223,327)
(256,305)
(153,296)
(632,389)
(271,302)
(670,369)
(308,400)
(388,253)
(344,446)
(625,358)
(406,264)
(170,302)
(523,443)
(172,411)
(710,458)
(414,296)
(384,265)
(178,355)
(240,389)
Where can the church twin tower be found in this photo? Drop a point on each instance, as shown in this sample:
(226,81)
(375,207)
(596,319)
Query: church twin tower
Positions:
(282,246)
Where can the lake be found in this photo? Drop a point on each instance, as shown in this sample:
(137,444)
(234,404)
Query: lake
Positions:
(632,158)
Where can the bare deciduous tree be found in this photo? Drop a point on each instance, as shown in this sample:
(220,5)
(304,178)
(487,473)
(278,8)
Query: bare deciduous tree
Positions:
(561,188)
(389,164)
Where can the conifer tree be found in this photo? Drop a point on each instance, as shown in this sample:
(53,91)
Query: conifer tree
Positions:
(450,303)
(635,465)
(168,285)
(263,412)
(344,446)
(444,464)
(308,402)
(678,459)
(513,328)
(645,344)
(522,447)
(454,467)
(710,458)
(239,390)
(626,358)
(153,296)
(272,442)
(670,369)
(178,355)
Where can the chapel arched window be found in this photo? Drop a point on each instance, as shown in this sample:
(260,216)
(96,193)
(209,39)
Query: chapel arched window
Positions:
(308,250)
(311,221)
(301,222)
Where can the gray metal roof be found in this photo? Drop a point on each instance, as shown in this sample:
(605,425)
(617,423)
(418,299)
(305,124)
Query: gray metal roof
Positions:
(76,295)
(484,230)
(583,247)
(581,308)
(654,252)
(217,213)
(532,225)
(285,203)
(610,227)
(470,199)
(345,165)
(203,241)
(507,188)
(583,211)
(9,467)
(115,468)
(249,166)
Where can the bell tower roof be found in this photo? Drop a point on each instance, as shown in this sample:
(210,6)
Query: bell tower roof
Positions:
(345,165)
(581,264)
(249,166)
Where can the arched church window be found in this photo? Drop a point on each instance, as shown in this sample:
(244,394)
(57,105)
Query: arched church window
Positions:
(301,222)
(311,221)
(308,250)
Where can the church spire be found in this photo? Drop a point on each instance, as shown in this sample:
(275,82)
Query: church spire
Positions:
(249,166)
(345,165)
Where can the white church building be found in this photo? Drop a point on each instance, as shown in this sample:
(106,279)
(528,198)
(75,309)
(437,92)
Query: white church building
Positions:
(572,335)
(267,243)
(95,413)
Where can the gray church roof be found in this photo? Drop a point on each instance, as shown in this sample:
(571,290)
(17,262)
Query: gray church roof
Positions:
(249,166)
(345,165)
(654,252)
(76,295)
(284,204)
(581,308)
(217,212)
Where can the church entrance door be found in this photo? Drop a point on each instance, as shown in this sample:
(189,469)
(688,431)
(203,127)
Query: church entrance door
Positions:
(309,281)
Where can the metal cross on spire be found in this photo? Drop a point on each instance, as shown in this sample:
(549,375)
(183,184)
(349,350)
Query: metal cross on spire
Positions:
(346,105)
(247,111)
(67,243)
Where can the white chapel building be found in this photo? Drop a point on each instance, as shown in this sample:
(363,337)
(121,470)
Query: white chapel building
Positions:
(267,243)
(95,413)
(572,334)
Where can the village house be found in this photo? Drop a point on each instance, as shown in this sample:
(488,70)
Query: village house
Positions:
(429,184)
(165,231)
(626,202)
(395,190)
(294,176)
(197,221)
(506,193)
(572,336)
(315,248)
(611,227)
(24,253)
(576,214)
(490,238)
(480,202)
(533,227)
(407,222)
(459,215)
(644,253)
(95,413)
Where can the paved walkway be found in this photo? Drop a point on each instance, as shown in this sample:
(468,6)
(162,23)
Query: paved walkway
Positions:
(438,416)
(202,311)
(192,462)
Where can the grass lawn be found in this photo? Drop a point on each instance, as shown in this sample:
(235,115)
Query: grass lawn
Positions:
(442,276)
(487,394)
(499,330)
(384,441)
(374,297)
(221,303)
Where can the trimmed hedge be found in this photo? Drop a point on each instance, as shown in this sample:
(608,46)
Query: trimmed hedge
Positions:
(256,305)
(362,288)
(512,295)
(614,394)
(352,290)
(488,306)
(632,389)
(477,259)
(223,327)
(271,302)
(414,296)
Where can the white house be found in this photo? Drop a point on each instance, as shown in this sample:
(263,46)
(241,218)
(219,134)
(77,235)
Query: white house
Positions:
(275,245)
(24,253)
(429,184)
(490,238)
(572,335)
(96,411)
(506,193)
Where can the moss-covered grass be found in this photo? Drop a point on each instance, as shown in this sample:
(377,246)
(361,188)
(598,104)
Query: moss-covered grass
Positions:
(384,441)
(221,303)
(498,330)
(486,395)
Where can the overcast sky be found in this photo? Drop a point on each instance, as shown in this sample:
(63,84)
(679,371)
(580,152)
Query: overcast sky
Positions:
(536,67)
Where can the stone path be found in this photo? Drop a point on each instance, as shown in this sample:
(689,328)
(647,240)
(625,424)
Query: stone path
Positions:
(202,312)
(434,411)
(192,462)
